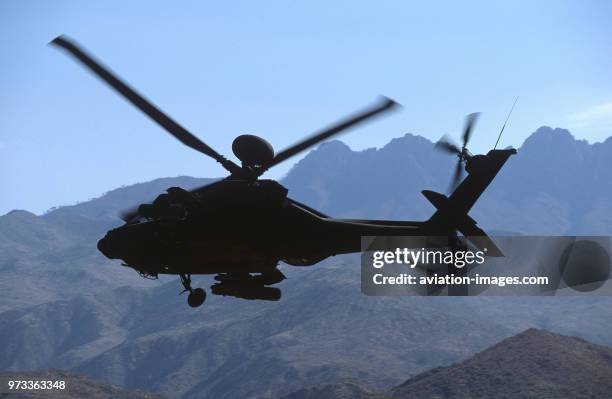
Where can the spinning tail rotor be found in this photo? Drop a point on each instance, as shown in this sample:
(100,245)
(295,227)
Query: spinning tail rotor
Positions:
(447,145)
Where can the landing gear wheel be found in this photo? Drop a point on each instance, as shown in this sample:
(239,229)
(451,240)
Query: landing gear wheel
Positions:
(196,297)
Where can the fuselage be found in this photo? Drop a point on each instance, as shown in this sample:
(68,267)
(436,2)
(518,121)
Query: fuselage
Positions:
(239,226)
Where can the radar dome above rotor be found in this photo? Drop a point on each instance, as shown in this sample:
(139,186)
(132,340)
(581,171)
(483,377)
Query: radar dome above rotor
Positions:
(252,150)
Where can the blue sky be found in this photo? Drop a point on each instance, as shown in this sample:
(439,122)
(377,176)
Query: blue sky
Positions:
(282,70)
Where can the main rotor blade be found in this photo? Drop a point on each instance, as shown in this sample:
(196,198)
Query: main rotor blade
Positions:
(457,174)
(446,145)
(470,121)
(385,104)
(141,103)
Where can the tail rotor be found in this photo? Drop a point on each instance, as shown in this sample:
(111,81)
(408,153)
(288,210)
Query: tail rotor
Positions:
(447,145)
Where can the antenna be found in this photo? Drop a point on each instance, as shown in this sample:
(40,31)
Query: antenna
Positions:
(506,121)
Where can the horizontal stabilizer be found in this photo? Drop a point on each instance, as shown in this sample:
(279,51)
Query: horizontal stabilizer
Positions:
(465,224)
(438,200)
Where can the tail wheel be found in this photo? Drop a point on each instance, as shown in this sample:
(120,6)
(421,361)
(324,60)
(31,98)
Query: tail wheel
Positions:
(196,297)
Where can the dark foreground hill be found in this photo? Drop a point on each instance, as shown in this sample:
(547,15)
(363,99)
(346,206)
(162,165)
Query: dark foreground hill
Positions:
(77,387)
(349,389)
(533,364)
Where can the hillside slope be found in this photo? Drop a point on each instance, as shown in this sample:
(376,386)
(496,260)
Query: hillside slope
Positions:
(533,364)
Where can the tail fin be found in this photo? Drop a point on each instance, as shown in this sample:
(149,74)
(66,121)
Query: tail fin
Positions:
(452,212)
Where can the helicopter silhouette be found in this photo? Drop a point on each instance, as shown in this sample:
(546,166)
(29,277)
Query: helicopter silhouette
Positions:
(241,227)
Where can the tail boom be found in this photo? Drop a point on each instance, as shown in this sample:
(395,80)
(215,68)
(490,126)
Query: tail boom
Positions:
(452,212)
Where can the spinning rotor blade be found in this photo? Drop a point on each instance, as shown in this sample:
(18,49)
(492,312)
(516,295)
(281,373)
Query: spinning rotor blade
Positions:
(446,145)
(457,174)
(385,105)
(470,121)
(141,103)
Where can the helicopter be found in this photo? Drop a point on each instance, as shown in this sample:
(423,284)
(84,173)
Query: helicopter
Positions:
(241,227)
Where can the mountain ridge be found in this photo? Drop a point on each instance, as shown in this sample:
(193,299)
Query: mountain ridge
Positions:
(76,309)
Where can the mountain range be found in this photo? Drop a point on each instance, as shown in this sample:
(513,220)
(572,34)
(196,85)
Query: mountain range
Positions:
(555,185)
(65,306)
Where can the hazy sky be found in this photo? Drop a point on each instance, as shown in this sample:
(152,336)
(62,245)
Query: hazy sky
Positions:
(282,70)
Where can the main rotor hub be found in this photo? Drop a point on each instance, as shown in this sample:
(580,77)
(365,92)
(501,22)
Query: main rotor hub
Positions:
(252,150)
(464,155)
